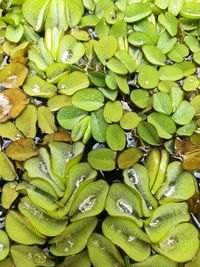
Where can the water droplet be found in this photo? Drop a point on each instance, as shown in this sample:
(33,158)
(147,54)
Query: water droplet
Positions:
(12,185)
(36,88)
(87,204)
(69,243)
(154,223)
(68,156)
(124,206)
(18,137)
(96,243)
(171,189)
(112,226)
(169,243)
(119,231)
(29,255)
(131,238)
(40,257)
(43,167)
(4,105)
(67,55)
(1,247)
(80,180)
(133,176)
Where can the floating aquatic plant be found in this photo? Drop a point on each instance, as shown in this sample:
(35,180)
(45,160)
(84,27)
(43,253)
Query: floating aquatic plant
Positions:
(99,131)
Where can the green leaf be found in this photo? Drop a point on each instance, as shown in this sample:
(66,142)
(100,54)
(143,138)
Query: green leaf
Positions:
(176,243)
(80,128)
(163,124)
(162,103)
(103,252)
(7,170)
(74,238)
(34,12)
(117,66)
(40,220)
(35,86)
(113,111)
(98,126)
(9,194)
(129,157)
(140,39)
(69,116)
(89,201)
(74,260)
(187,130)
(126,59)
(73,82)
(148,133)
(130,120)
(164,218)
(14,34)
(140,97)
(170,73)
(30,256)
(74,12)
(128,236)
(156,260)
(4,245)
(191,83)
(137,178)
(148,77)
(152,165)
(102,159)
(88,99)
(10,131)
(127,207)
(154,55)
(169,22)
(46,120)
(137,11)
(115,137)
(191,10)
(184,113)
(20,230)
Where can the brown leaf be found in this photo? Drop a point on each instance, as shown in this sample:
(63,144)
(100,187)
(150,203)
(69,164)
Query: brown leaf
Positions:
(12,102)
(57,136)
(191,160)
(22,149)
(13,75)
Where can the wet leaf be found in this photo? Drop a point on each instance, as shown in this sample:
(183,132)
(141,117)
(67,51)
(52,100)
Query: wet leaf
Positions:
(30,256)
(13,101)
(130,120)
(58,101)
(74,237)
(13,75)
(127,207)
(126,59)
(164,218)
(175,244)
(191,83)
(72,83)
(4,245)
(103,252)
(148,77)
(117,66)
(102,159)
(9,194)
(40,220)
(35,86)
(128,236)
(69,116)
(170,22)
(9,130)
(170,73)
(88,99)
(89,201)
(22,149)
(20,230)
